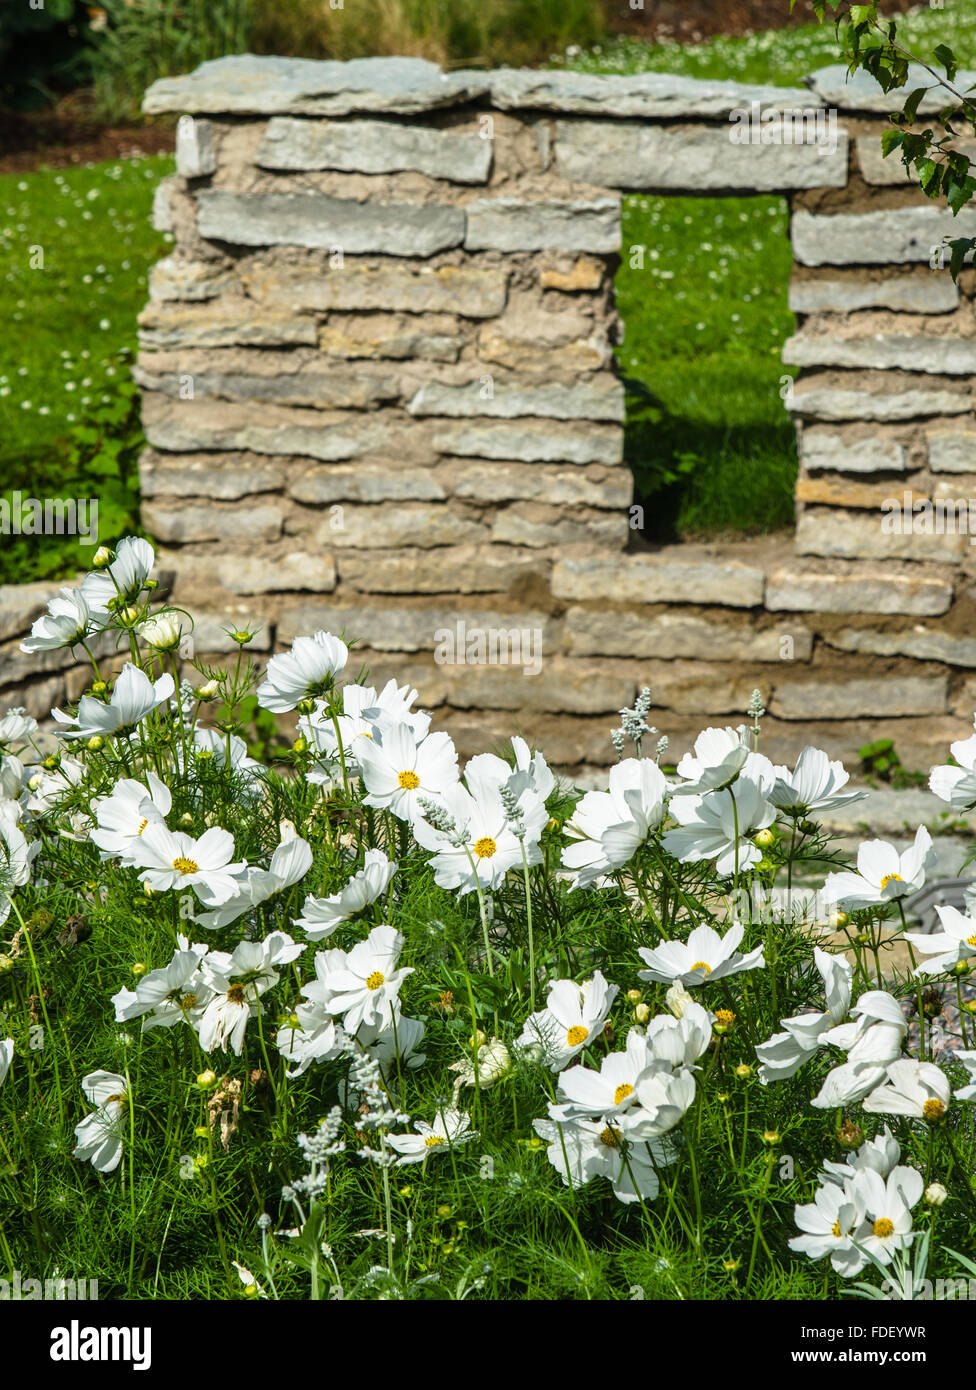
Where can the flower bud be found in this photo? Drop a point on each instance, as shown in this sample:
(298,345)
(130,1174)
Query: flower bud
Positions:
(186,818)
(765,838)
(770,1137)
(140,968)
(101,558)
(743,1072)
(478,1040)
(162,632)
(300,745)
(6,963)
(678,999)
(201,1131)
(634,995)
(935,1194)
(207,691)
(839,920)
(850,1135)
(99,688)
(641,1013)
(95,743)
(206,1079)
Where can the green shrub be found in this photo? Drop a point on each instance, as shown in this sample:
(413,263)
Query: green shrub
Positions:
(42,50)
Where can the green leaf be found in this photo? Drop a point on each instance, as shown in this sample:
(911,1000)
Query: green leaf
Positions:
(960,248)
(911,105)
(959,194)
(890,140)
(945,56)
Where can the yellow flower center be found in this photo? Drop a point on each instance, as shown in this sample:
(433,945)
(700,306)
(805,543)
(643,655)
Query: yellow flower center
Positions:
(433,1141)
(835,1230)
(485,847)
(409,781)
(236,994)
(725,1016)
(142,826)
(185,866)
(610,1137)
(891,878)
(622,1092)
(375,980)
(702,965)
(883,1227)
(577,1035)
(188,1001)
(971,940)
(933,1110)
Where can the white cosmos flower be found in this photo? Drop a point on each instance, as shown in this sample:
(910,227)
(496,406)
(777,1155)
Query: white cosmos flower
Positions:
(583,1149)
(211,743)
(290,863)
(955,942)
(66,623)
(399,771)
(720,756)
(886,1210)
(494,1062)
(362,984)
(784,1053)
(450,1129)
(177,993)
(610,826)
(663,1098)
(122,581)
(704,957)
(321,916)
(719,825)
(124,814)
(814,785)
(307,670)
(828,1224)
(16,857)
(609,1091)
(919,1089)
(171,859)
(882,873)
(679,1042)
(957,785)
(6,1057)
(968,1060)
(872,1041)
(366,714)
(16,725)
(574,1015)
(99,1134)
(880,1153)
(531,770)
(310,1035)
(238,981)
(396,1040)
(162,631)
(134,696)
(47,787)
(11,777)
(489,847)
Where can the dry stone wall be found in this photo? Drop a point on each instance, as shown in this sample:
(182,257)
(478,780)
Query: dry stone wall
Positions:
(380,395)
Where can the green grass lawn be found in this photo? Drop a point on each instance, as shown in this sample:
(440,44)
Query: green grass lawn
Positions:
(71,327)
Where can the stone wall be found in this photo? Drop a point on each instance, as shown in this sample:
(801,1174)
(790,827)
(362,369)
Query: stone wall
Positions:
(380,395)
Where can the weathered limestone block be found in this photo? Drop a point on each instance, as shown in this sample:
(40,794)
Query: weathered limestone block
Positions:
(891,236)
(314,220)
(196,150)
(205,521)
(579,276)
(610,488)
(932,292)
(402,524)
(246,84)
(668,636)
(179,279)
(821,450)
(617,154)
(831,532)
(663,578)
(210,633)
(952,451)
(433,337)
(853,698)
(529,440)
(648,94)
(876,169)
(540,358)
(375,147)
(924,644)
(268,376)
(162,217)
(942,356)
(836,86)
(226,477)
(293,571)
(595,399)
(843,492)
(470,292)
(861,589)
(451,569)
(535,524)
(20,604)
(225,322)
(189,426)
(402,628)
(831,403)
(365,481)
(510,224)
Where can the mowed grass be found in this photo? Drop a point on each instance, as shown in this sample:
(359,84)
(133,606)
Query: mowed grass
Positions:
(76,246)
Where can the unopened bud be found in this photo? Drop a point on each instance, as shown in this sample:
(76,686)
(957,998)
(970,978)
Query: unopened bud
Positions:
(95,743)
(140,968)
(935,1194)
(641,1013)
